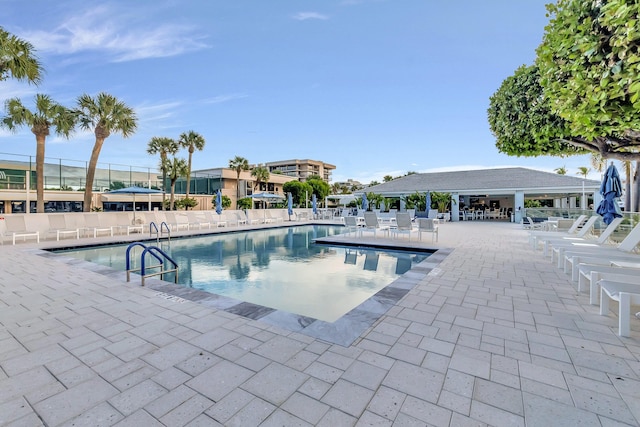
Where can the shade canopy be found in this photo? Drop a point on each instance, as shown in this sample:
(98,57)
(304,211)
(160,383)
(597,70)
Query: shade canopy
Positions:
(611,190)
(267,196)
(135,190)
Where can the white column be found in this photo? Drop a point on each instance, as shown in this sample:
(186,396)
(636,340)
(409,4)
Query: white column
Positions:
(518,206)
(572,202)
(455,207)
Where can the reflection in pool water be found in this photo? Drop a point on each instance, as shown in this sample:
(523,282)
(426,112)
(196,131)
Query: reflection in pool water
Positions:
(279,268)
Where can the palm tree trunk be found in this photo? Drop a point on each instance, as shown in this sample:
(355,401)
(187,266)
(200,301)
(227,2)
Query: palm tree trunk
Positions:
(164,188)
(91,173)
(188,176)
(173,188)
(40,139)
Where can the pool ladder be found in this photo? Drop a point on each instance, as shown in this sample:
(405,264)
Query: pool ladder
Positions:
(157,269)
(153,229)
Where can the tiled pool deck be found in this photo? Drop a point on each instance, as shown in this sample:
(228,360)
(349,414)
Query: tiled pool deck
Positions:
(492,335)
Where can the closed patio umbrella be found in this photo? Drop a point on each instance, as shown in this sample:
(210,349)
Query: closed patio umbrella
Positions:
(289,205)
(314,204)
(427,201)
(611,190)
(219,202)
(365,202)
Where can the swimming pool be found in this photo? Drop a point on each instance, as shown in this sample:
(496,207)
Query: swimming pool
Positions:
(280,268)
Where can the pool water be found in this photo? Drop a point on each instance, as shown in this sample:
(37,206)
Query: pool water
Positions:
(279,268)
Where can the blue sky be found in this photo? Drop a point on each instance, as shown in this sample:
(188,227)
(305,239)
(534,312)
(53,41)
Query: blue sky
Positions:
(375,87)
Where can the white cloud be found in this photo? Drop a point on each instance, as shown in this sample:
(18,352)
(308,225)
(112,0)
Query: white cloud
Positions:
(117,34)
(303,16)
(225,98)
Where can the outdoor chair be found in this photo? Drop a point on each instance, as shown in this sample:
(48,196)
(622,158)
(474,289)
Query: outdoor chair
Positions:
(597,254)
(535,234)
(93,224)
(403,225)
(427,225)
(557,250)
(15,227)
(58,226)
(626,293)
(371,224)
(351,224)
(565,238)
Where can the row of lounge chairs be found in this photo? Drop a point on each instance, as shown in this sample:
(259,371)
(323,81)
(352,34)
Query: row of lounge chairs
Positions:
(20,227)
(607,271)
(401,224)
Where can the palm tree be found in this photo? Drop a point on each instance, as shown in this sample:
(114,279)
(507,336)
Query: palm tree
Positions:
(561,170)
(47,113)
(175,169)
(598,163)
(191,141)
(104,114)
(584,171)
(17,59)
(261,174)
(238,164)
(165,147)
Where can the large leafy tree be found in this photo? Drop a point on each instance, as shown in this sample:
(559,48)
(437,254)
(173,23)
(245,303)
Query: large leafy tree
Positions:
(589,65)
(319,187)
(47,114)
(176,168)
(104,114)
(261,174)
(17,59)
(238,164)
(192,141)
(165,147)
(298,191)
(521,119)
(583,92)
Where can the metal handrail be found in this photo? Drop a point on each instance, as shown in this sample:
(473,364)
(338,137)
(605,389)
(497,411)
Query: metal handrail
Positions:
(163,226)
(153,251)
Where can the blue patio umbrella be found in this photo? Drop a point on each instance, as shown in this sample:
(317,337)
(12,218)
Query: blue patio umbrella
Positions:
(289,205)
(219,202)
(427,201)
(365,202)
(314,204)
(611,190)
(135,190)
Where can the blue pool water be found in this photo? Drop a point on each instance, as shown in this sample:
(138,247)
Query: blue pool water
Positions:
(279,268)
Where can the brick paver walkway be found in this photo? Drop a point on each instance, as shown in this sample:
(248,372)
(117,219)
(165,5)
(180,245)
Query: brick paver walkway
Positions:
(495,336)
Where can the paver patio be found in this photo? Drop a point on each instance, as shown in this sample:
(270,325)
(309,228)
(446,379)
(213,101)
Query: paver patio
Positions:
(495,335)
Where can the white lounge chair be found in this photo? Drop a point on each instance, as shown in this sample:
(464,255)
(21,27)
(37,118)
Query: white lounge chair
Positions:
(403,225)
(536,234)
(351,224)
(590,274)
(58,226)
(561,239)
(371,224)
(15,227)
(599,254)
(93,224)
(558,250)
(427,225)
(626,294)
